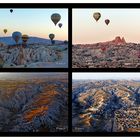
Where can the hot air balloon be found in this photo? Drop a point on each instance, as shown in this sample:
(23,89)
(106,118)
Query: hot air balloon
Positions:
(51,36)
(5,31)
(60,25)
(107,21)
(55,18)
(11,10)
(16,36)
(65,42)
(96,16)
(25,38)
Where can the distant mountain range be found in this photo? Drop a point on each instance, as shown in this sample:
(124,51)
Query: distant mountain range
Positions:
(113,80)
(32,40)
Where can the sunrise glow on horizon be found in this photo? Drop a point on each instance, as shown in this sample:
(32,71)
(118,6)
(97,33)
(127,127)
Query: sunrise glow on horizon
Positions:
(106,76)
(34,22)
(123,22)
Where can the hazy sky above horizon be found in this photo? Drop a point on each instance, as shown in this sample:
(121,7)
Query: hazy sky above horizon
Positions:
(105,76)
(34,22)
(123,22)
(9,75)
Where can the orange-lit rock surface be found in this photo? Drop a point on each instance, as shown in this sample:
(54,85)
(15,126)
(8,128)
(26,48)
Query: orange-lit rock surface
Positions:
(34,104)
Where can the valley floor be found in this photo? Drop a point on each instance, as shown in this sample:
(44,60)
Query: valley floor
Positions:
(106,106)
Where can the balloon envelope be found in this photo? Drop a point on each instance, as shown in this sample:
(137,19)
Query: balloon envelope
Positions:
(55,18)
(51,36)
(96,16)
(11,10)
(107,21)
(16,36)
(25,38)
(65,42)
(5,31)
(60,25)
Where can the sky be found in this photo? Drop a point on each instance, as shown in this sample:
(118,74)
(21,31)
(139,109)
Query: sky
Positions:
(8,75)
(105,76)
(34,22)
(123,22)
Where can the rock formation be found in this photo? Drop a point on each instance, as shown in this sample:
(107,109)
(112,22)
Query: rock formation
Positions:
(118,41)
